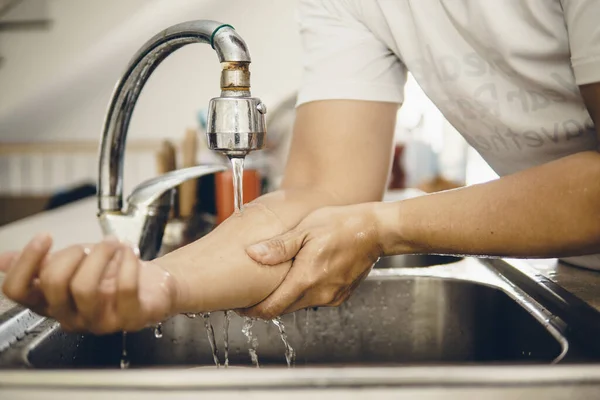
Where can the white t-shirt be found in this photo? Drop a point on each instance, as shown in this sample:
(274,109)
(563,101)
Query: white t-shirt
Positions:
(504,73)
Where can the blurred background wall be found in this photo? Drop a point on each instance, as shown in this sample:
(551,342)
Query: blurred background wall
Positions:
(60,59)
(55,83)
(56,79)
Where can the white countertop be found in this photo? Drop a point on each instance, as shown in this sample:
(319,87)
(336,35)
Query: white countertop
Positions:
(70,224)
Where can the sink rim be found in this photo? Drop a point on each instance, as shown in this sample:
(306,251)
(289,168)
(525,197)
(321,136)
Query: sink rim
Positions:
(305,377)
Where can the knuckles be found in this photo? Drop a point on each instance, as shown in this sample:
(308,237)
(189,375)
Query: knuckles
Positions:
(51,277)
(106,247)
(338,301)
(80,291)
(128,290)
(49,280)
(327,297)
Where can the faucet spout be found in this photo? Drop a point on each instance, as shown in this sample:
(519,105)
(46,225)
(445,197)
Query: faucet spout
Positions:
(236,126)
(235,83)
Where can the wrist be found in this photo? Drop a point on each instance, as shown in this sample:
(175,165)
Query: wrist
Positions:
(171,283)
(391,232)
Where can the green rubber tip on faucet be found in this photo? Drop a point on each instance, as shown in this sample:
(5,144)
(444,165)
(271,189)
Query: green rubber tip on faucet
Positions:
(212,37)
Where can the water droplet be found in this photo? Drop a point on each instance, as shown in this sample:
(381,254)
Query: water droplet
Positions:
(158,332)
(124,363)
(226,320)
(124,359)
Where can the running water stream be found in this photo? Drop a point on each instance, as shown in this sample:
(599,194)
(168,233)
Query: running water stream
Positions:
(237,167)
(252,340)
(290,354)
(226,319)
(211,338)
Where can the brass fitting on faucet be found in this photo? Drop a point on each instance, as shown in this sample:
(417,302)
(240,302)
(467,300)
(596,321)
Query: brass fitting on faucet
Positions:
(235,77)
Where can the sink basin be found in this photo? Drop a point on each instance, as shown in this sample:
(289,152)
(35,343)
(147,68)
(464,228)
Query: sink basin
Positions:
(392,318)
(415,260)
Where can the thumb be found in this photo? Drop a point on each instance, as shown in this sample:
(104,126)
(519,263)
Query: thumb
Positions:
(7,260)
(278,249)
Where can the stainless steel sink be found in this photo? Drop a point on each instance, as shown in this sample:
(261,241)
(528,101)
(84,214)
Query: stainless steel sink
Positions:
(415,260)
(457,313)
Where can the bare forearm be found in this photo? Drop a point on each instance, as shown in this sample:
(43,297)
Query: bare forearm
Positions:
(339,155)
(541,212)
(215,273)
(291,205)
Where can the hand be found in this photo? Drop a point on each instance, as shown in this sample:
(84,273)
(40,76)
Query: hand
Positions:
(100,288)
(332,251)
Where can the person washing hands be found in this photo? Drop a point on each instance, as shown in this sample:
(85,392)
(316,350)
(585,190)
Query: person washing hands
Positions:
(520,80)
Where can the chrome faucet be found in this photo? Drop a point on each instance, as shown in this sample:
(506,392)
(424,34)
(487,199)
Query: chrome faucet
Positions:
(236,126)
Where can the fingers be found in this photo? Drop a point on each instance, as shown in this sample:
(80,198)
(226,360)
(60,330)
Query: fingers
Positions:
(18,283)
(278,249)
(322,297)
(7,259)
(86,282)
(332,296)
(71,285)
(301,290)
(128,304)
(291,290)
(55,279)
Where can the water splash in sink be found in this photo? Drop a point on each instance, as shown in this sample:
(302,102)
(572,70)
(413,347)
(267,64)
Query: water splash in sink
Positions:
(252,340)
(226,320)
(290,354)
(158,332)
(211,338)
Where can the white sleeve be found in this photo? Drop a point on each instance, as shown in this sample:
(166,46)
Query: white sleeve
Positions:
(343,59)
(582,18)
